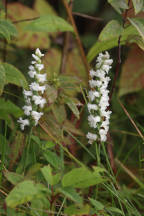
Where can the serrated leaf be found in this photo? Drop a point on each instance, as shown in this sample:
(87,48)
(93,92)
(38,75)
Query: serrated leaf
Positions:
(71,194)
(98,205)
(7,29)
(49,23)
(81,178)
(2,78)
(118,5)
(102,45)
(14,76)
(14,178)
(138,23)
(22,193)
(138,5)
(71,104)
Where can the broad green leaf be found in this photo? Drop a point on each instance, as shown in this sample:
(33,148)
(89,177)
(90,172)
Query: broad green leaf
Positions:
(84,6)
(119,5)
(14,76)
(98,205)
(7,29)
(114,210)
(49,177)
(39,205)
(26,39)
(43,7)
(71,104)
(138,23)
(77,211)
(49,23)
(8,107)
(70,127)
(53,159)
(2,78)
(138,5)
(22,193)
(111,30)
(14,178)
(102,45)
(81,178)
(71,194)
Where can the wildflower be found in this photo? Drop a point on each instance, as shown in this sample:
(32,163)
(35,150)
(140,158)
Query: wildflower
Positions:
(23,123)
(32,99)
(99,114)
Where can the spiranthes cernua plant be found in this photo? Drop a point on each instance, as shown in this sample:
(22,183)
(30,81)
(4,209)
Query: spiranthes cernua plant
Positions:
(34,101)
(98,96)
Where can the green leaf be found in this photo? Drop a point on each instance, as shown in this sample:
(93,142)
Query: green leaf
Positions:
(14,178)
(84,6)
(81,178)
(78,211)
(49,177)
(98,205)
(119,5)
(114,210)
(7,107)
(43,7)
(2,78)
(138,23)
(7,29)
(71,104)
(53,159)
(49,23)
(111,41)
(14,76)
(111,30)
(138,5)
(71,194)
(22,193)
(59,112)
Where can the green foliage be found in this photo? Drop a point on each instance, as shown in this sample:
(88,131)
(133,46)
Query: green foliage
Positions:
(49,23)
(7,29)
(138,23)
(119,6)
(2,78)
(138,5)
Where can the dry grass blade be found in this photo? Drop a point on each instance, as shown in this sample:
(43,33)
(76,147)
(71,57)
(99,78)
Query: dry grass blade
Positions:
(132,121)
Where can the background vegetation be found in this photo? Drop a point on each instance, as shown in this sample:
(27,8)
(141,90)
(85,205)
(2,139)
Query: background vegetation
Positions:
(53,171)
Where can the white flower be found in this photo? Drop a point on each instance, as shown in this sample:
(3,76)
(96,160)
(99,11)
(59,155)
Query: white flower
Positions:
(39,66)
(27,110)
(92,107)
(93,121)
(36,116)
(93,94)
(93,73)
(32,73)
(36,87)
(31,67)
(92,137)
(41,77)
(23,123)
(38,100)
(27,93)
(36,58)
(38,53)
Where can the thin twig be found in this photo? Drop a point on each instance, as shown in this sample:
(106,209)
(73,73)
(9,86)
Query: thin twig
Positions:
(25,20)
(119,55)
(132,121)
(69,12)
(87,16)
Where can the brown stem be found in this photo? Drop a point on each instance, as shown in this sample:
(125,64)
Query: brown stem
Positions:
(25,20)
(69,12)
(87,16)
